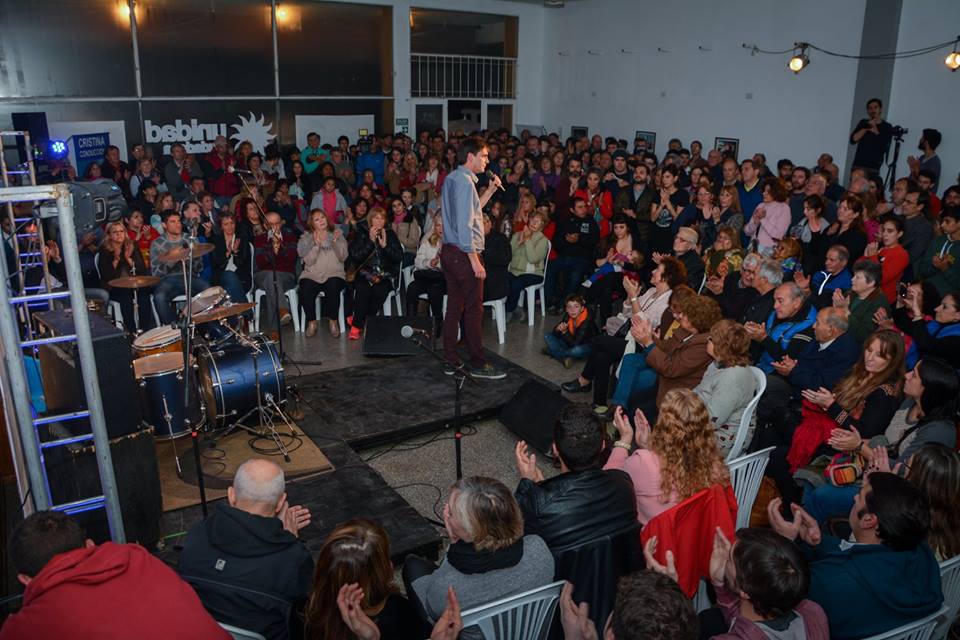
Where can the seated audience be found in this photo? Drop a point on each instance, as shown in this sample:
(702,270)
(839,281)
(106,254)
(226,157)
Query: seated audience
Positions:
(939,337)
(834,275)
(864,299)
(427,275)
(330,200)
(322,250)
(735,291)
(407,229)
(728,385)
(119,257)
(724,256)
(621,253)
(76,589)
(811,232)
(528,260)
(142,234)
(245,561)
(231,259)
(771,217)
(685,250)
(354,566)
(927,416)
(849,229)
(768,277)
(496,260)
(172,243)
(918,231)
(574,242)
(374,256)
(940,266)
(275,253)
(649,606)
(787,330)
(489,556)
(570,339)
(890,255)
(888,577)
(583,502)
(675,459)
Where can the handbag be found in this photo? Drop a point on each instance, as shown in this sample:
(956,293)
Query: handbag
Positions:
(844,469)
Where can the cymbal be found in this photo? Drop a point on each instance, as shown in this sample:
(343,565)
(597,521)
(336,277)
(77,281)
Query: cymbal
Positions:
(178,254)
(226,311)
(134,282)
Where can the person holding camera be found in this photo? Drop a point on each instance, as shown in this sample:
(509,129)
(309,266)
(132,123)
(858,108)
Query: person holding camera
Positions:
(373,262)
(275,253)
(872,135)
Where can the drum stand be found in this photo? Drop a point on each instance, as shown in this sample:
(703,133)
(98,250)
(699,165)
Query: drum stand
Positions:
(267,428)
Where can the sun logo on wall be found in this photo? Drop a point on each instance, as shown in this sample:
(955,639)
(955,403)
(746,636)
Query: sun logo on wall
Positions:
(257,131)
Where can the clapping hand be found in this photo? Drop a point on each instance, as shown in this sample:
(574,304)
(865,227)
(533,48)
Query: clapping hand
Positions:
(784,366)
(631,286)
(821,397)
(719,558)
(641,330)
(657,256)
(882,319)
(349,602)
(293,518)
(450,623)
(622,424)
(840,301)
(643,429)
(575,619)
(871,249)
(649,552)
(756,331)
(844,440)
(801,524)
(527,463)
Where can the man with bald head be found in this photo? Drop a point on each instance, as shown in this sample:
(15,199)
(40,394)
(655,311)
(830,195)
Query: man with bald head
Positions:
(276,254)
(245,561)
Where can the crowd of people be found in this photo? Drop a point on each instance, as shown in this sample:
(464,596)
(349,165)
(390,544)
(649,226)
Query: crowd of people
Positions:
(675,279)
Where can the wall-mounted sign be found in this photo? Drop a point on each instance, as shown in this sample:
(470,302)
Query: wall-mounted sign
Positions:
(87,148)
(198,136)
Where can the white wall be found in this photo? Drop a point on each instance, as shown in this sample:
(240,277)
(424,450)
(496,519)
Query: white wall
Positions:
(925,94)
(693,94)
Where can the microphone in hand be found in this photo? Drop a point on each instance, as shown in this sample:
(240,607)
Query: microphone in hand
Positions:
(495,180)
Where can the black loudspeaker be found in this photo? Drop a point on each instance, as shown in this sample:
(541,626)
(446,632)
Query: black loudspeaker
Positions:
(34,122)
(382,335)
(532,412)
(73,475)
(63,382)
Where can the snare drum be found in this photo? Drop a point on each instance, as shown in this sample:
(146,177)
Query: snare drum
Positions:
(158,340)
(161,395)
(228,379)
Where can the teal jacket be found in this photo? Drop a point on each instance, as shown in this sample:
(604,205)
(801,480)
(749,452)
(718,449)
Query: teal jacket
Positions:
(870,588)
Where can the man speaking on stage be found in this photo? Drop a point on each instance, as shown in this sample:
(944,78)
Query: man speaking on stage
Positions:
(462,209)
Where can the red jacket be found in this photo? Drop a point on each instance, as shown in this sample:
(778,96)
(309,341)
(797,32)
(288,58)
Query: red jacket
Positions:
(893,261)
(687,529)
(600,205)
(110,592)
(220,181)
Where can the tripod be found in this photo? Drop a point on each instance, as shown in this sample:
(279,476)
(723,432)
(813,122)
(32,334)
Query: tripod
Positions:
(892,165)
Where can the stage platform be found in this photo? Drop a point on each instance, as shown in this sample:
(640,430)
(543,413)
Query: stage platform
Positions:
(390,399)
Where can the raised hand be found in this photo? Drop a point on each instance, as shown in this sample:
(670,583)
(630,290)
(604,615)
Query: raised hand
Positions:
(649,553)
(450,623)
(575,618)
(719,558)
(643,429)
(789,529)
(349,602)
(809,530)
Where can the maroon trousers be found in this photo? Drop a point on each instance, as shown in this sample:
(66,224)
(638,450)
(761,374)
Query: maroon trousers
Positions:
(464,299)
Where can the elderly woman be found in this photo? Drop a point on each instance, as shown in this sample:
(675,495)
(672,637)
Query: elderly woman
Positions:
(725,255)
(428,276)
(322,249)
(679,362)
(674,460)
(375,253)
(118,257)
(727,386)
(528,259)
(488,558)
(864,299)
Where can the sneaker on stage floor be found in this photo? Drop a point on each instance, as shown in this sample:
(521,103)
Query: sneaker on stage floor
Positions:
(354,333)
(449,369)
(487,372)
(574,386)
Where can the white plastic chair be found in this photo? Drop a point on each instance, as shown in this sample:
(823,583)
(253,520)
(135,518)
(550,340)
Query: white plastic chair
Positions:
(746,473)
(950,582)
(406,277)
(340,319)
(499,316)
(524,616)
(530,293)
(919,630)
(740,440)
(292,298)
(240,634)
(113,305)
(394,296)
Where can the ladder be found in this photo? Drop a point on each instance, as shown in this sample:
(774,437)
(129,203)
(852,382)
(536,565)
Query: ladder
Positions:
(15,322)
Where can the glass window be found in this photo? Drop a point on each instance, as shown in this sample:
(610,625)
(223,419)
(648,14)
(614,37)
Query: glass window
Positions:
(63,48)
(461,33)
(217,47)
(328,48)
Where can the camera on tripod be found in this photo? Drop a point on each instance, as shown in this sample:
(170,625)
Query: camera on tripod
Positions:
(899,132)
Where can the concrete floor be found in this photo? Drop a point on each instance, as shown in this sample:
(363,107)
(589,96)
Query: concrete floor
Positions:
(422,468)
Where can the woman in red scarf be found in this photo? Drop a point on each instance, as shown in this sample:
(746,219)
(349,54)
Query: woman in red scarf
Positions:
(864,400)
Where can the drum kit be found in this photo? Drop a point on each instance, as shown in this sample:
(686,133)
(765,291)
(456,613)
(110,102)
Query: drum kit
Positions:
(233,375)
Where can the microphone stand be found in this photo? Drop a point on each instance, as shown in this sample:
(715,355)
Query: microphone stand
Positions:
(460,375)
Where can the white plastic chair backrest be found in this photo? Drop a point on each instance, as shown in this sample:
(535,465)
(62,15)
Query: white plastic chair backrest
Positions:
(918,630)
(523,616)
(740,440)
(240,634)
(950,582)
(96,263)
(746,473)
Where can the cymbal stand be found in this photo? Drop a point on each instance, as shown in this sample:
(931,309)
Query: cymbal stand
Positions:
(136,311)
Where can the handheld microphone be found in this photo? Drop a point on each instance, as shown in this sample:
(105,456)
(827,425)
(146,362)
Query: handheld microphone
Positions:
(408,332)
(491,175)
(233,169)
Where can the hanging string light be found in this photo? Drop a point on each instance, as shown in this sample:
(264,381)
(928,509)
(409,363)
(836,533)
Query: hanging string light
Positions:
(799,59)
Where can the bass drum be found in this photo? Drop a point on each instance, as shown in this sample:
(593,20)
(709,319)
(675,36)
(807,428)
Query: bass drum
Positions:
(161,395)
(228,379)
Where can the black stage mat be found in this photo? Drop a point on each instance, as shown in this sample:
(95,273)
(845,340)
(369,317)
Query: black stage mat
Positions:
(391,399)
(352,490)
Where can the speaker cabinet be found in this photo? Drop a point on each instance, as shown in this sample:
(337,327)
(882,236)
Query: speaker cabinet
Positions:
(532,412)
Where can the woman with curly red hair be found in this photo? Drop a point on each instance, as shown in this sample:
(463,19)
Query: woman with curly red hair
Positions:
(676,459)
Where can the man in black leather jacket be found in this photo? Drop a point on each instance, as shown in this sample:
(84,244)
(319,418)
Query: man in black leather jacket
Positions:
(584,502)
